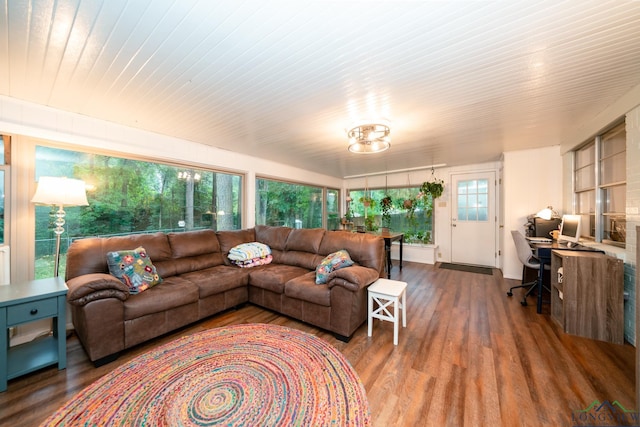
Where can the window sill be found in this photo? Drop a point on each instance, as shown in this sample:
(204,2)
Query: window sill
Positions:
(416,252)
(614,251)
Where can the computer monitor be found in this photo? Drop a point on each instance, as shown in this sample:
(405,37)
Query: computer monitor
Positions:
(570,229)
(543,227)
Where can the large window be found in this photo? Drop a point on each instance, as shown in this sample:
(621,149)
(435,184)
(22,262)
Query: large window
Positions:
(600,186)
(132,196)
(288,204)
(411,212)
(333,209)
(5,145)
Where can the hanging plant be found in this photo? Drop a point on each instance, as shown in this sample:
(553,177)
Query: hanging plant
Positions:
(435,188)
(386,204)
(367,201)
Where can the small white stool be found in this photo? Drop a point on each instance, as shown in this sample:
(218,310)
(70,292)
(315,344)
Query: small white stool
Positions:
(386,292)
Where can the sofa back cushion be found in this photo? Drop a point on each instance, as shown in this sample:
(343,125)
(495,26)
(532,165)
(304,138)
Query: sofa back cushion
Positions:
(230,238)
(365,249)
(302,247)
(275,238)
(86,256)
(195,250)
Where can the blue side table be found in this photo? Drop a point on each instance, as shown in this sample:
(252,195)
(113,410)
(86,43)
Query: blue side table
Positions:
(24,303)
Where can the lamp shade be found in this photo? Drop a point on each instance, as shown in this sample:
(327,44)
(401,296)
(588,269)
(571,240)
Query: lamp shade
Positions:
(547,213)
(60,191)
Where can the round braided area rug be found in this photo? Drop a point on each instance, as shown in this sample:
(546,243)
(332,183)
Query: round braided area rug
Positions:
(243,375)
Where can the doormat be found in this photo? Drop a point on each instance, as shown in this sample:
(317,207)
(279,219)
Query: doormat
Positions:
(467,268)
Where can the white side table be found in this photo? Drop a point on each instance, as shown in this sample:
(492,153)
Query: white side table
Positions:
(386,292)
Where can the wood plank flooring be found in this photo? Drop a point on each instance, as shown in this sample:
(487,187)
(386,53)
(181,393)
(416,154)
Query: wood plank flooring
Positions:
(470,356)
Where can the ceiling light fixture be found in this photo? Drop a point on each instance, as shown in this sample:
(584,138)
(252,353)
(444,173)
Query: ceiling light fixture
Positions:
(369,138)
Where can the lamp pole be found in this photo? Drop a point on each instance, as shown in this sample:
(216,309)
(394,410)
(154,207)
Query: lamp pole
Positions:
(59,222)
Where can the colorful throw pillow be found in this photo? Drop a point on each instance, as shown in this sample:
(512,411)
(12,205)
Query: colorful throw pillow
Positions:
(134,268)
(331,262)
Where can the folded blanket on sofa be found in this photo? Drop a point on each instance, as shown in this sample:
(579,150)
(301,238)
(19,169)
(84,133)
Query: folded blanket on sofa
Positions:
(249,251)
(247,263)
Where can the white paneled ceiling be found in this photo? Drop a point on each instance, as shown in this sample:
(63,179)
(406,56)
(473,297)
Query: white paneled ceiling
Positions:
(458,82)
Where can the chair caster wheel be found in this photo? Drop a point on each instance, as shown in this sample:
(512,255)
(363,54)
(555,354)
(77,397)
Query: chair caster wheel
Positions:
(524,303)
(509,294)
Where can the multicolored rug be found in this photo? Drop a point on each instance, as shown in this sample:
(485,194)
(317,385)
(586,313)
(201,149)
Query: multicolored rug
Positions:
(249,375)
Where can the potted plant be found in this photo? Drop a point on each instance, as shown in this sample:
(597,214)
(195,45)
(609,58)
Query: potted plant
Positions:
(435,188)
(369,223)
(367,201)
(386,204)
(410,205)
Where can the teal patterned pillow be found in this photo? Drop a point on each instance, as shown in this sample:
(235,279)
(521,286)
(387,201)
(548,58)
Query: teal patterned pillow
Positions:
(134,268)
(331,262)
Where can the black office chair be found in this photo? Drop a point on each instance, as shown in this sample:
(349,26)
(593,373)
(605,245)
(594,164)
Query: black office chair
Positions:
(528,260)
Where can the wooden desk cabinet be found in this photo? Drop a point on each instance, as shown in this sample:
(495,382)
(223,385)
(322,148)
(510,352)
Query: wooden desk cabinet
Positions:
(589,300)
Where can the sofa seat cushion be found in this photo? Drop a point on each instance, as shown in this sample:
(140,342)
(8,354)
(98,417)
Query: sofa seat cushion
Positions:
(305,288)
(173,292)
(218,279)
(273,276)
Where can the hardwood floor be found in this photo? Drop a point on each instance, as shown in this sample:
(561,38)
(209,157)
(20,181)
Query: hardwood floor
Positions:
(470,355)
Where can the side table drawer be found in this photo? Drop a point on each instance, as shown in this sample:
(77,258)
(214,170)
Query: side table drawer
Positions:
(30,311)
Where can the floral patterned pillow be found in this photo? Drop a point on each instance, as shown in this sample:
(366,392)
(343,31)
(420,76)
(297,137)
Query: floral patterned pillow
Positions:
(331,262)
(134,268)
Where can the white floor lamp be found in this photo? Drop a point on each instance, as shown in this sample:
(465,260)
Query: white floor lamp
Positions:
(60,191)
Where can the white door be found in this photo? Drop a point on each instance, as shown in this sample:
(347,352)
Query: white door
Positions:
(474,221)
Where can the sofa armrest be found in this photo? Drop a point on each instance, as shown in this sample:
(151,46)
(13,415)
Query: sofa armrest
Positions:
(90,287)
(353,278)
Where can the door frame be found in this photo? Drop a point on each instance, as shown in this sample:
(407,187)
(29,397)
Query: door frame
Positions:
(496,207)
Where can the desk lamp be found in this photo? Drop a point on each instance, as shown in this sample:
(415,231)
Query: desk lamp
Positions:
(547,213)
(60,191)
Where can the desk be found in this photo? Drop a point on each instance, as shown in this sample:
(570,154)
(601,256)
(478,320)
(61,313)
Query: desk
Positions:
(587,298)
(389,238)
(543,253)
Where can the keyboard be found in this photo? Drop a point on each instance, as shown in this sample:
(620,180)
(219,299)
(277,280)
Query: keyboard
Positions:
(533,239)
(577,247)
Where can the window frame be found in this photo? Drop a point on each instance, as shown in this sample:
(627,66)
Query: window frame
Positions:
(598,214)
(5,168)
(83,150)
(322,192)
(415,231)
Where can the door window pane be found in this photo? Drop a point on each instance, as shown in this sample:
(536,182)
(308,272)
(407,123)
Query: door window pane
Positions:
(473,200)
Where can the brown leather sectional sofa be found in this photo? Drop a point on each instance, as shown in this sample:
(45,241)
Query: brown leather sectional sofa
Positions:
(199,281)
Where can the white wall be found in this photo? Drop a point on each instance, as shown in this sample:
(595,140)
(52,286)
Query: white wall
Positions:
(24,118)
(532,180)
